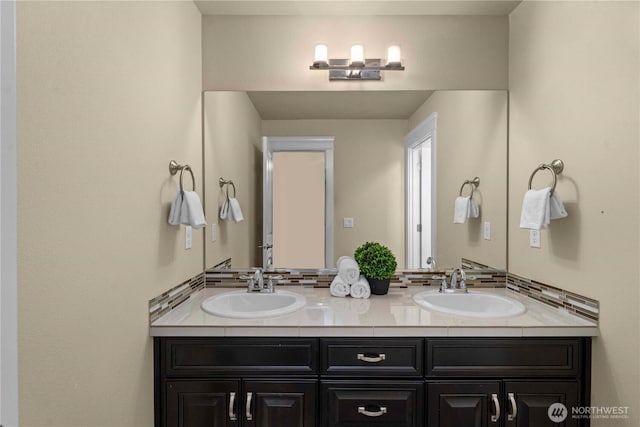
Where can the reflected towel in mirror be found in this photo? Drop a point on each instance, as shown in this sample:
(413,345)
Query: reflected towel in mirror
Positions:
(464,207)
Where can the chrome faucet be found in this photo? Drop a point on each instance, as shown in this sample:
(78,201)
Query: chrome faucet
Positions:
(456,284)
(256,282)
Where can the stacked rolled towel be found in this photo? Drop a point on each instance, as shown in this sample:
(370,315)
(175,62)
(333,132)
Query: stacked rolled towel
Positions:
(348,269)
(339,288)
(361,288)
(186,209)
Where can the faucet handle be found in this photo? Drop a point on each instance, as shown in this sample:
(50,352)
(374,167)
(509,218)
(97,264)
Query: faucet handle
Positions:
(443,279)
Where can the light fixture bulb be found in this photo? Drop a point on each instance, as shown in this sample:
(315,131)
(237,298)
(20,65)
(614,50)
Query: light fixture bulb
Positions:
(357,55)
(393,55)
(320,56)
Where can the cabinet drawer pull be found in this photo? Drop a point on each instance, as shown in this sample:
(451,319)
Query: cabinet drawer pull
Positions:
(232,405)
(248,412)
(496,417)
(514,408)
(380,412)
(379,358)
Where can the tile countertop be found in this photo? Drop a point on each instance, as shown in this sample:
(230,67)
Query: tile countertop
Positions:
(391,315)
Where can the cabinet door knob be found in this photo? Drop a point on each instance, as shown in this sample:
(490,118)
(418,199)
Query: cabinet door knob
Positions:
(232,404)
(496,417)
(248,412)
(375,359)
(378,413)
(514,408)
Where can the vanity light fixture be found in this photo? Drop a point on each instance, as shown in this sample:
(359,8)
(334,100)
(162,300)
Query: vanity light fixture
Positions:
(357,67)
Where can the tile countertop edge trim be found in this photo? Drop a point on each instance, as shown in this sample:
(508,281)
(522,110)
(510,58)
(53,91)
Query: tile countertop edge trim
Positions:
(351,331)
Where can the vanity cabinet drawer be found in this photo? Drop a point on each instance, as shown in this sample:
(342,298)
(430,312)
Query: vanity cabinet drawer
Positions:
(372,403)
(206,357)
(505,358)
(372,357)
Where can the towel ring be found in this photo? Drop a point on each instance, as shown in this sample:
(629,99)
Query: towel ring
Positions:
(193,179)
(474,183)
(174,167)
(228,183)
(556,167)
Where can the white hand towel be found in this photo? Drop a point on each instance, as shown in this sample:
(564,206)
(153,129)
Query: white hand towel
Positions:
(535,209)
(176,209)
(348,270)
(461,210)
(361,288)
(224,210)
(234,209)
(339,288)
(556,207)
(474,210)
(193,207)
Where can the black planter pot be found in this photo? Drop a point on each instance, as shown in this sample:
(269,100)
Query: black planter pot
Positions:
(379,286)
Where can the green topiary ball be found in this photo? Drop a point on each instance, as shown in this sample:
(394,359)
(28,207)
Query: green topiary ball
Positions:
(375,260)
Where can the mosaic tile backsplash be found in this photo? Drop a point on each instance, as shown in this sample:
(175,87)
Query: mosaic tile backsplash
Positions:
(478,276)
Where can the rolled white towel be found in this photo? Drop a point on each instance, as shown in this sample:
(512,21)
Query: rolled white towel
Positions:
(348,270)
(339,288)
(361,288)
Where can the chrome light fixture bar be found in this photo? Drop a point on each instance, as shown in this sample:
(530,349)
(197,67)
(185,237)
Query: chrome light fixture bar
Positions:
(357,67)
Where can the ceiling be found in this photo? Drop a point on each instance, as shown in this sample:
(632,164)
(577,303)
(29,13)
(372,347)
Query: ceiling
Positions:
(327,105)
(356,7)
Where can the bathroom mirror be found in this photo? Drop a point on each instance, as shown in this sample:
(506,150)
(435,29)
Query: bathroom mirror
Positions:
(370,181)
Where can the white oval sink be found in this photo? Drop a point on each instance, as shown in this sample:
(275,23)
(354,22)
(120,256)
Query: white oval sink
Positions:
(470,304)
(245,305)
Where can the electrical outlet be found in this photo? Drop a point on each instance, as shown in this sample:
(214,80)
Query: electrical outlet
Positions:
(534,238)
(487,230)
(214,232)
(347,222)
(188,231)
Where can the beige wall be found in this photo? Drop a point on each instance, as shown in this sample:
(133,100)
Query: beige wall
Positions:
(574,80)
(471,129)
(232,150)
(108,93)
(369,178)
(299,209)
(274,52)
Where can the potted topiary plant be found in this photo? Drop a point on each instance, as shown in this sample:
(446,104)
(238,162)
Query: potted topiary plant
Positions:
(378,264)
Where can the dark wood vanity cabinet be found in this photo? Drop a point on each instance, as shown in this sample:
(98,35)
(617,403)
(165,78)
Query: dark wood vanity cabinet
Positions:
(349,382)
(236,382)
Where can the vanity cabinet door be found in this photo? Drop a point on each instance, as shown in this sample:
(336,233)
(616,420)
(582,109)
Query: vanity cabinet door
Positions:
(202,403)
(277,403)
(527,403)
(468,404)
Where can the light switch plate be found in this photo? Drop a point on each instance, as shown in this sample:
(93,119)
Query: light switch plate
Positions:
(534,238)
(487,230)
(188,231)
(347,222)
(214,232)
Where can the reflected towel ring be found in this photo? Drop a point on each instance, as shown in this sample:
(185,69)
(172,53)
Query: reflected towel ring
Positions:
(556,167)
(474,183)
(228,183)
